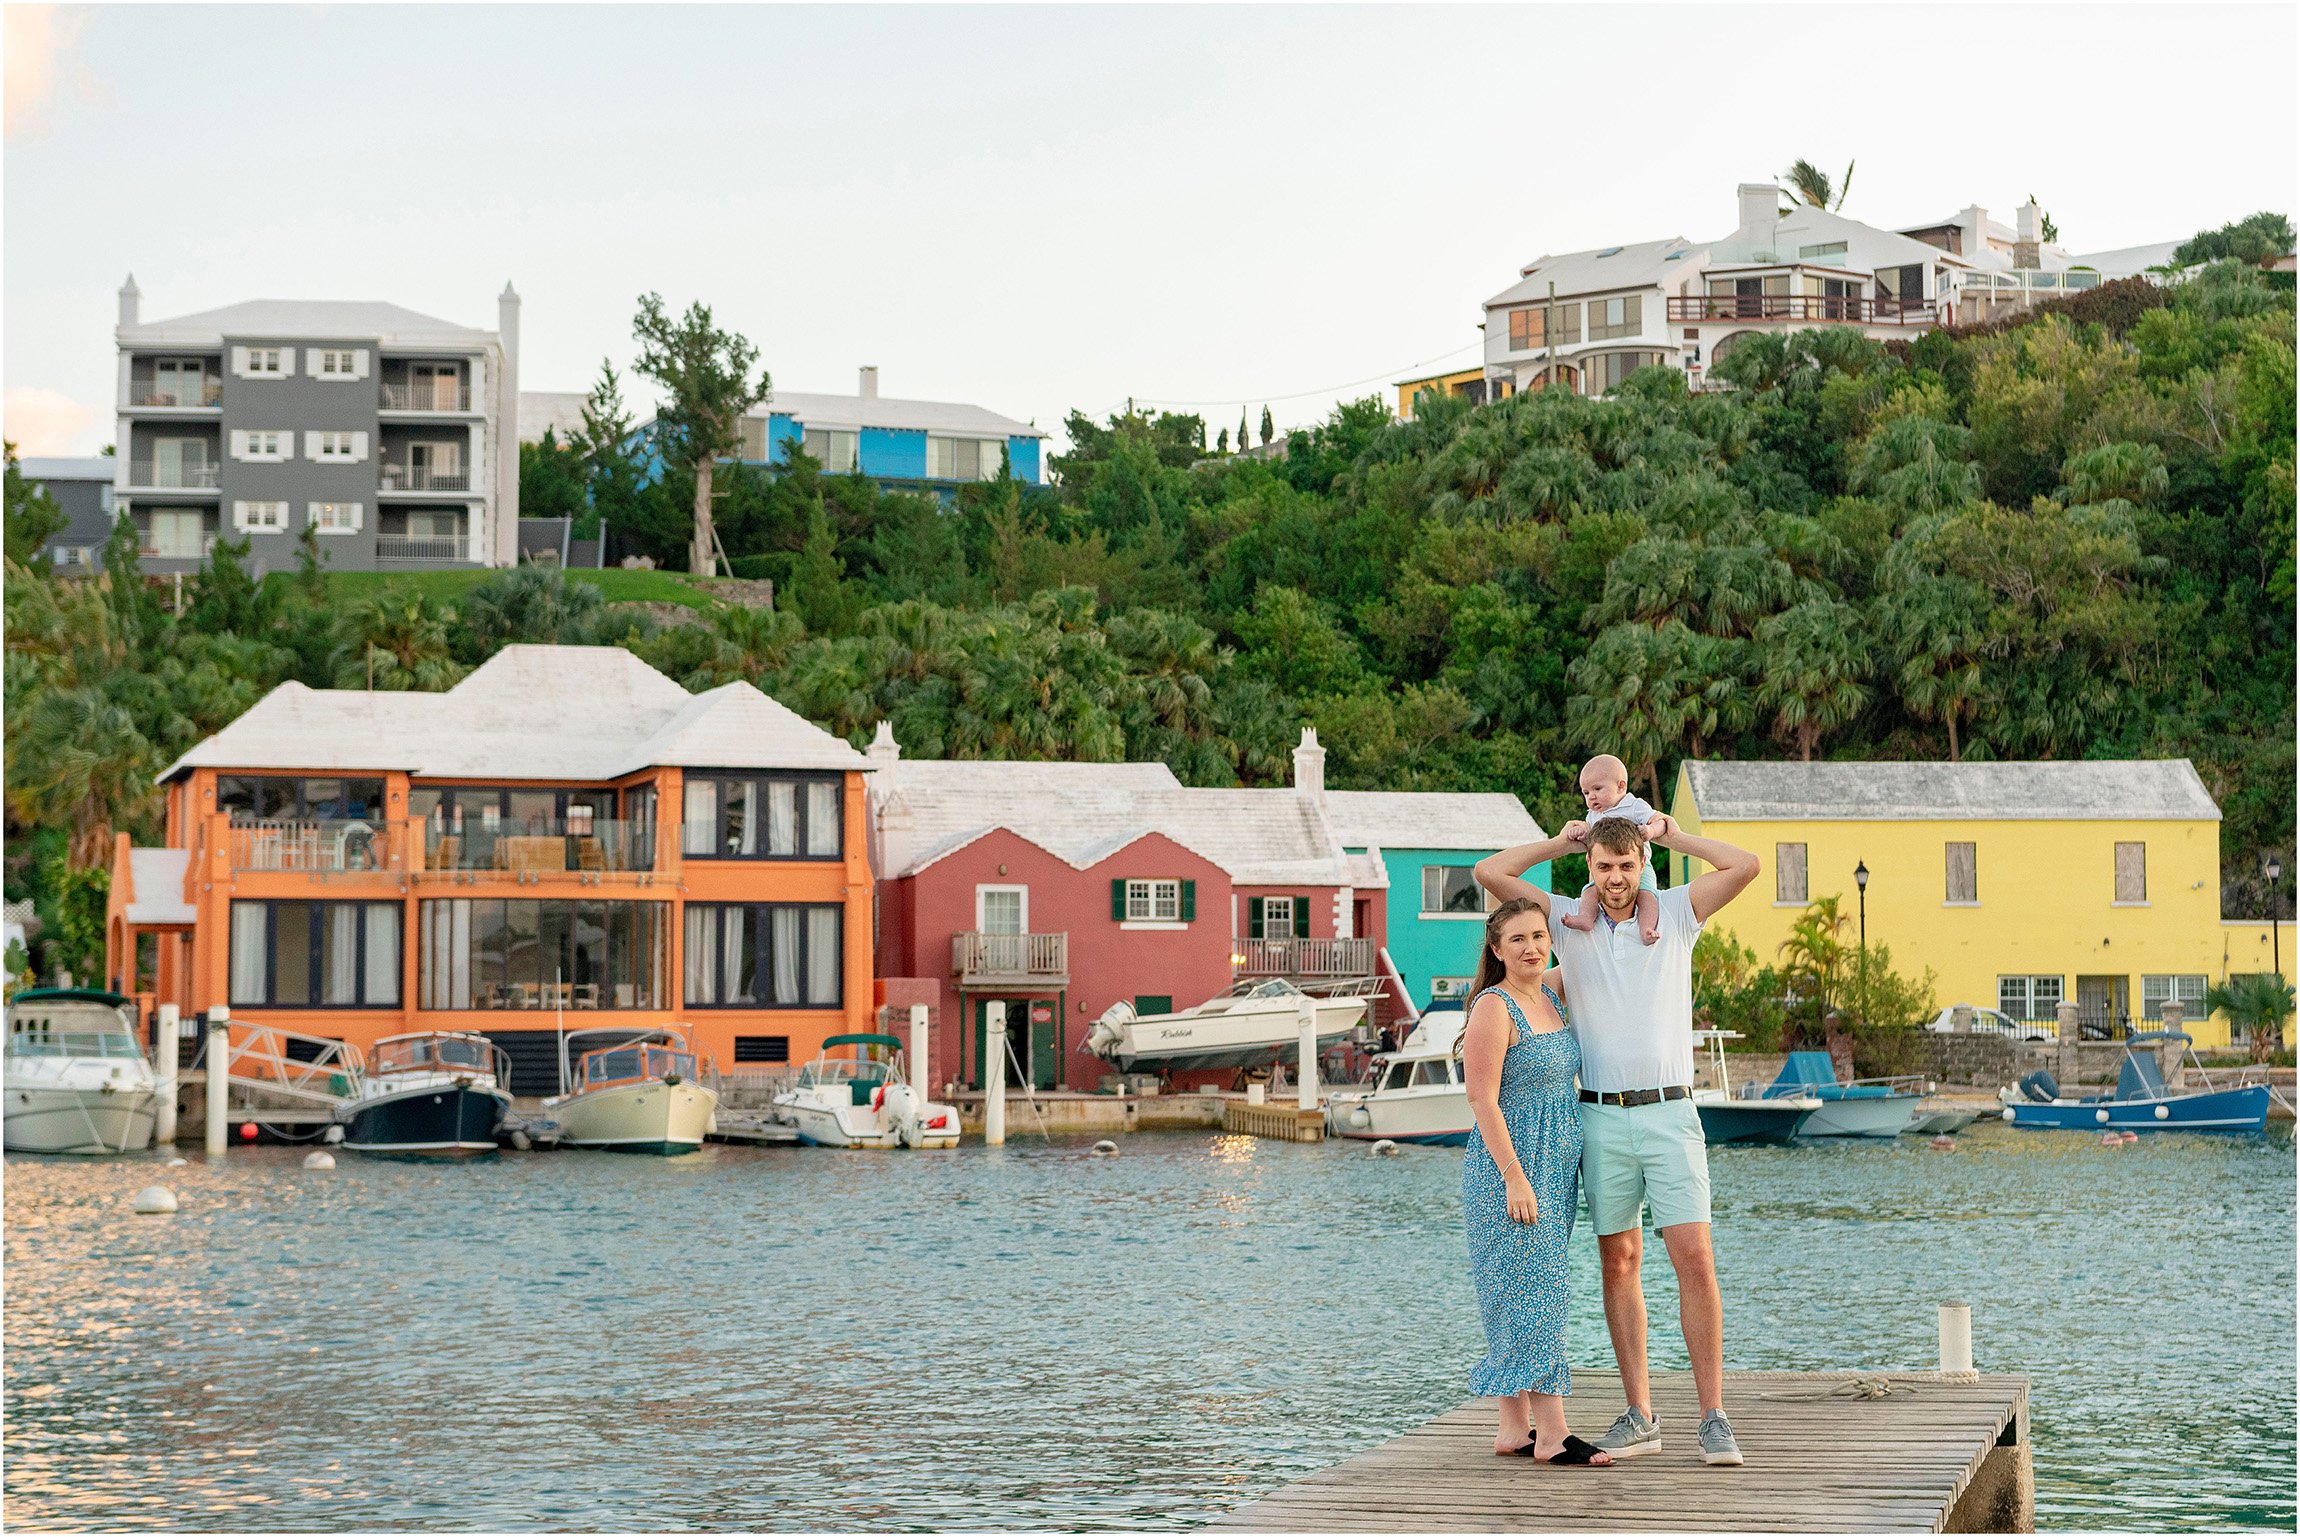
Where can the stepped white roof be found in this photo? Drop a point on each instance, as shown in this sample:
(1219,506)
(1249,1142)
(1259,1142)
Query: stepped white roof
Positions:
(2166,789)
(559,411)
(1407,819)
(529,712)
(318,319)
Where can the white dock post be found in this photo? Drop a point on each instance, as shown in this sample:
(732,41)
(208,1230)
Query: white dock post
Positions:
(918,1054)
(218,1064)
(994,1075)
(1306,1066)
(1956,1337)
(164,1053)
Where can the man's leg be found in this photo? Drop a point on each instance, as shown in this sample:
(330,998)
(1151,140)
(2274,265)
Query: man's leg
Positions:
(1699,1308)
(1621,1255)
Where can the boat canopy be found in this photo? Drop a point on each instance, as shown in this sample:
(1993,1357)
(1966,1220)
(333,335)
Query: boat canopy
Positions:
(67,995)
(1807,1070)
(429,1051)
(2139,1078)
(891,1043)
(619,1064)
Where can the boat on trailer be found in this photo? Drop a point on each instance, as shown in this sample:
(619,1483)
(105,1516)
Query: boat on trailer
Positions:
(430,1094)
(1751,1117)
(75,1080)
(640,1093)
(1412,1094)
(1254,1024)
(862,1099)
(2141,1100)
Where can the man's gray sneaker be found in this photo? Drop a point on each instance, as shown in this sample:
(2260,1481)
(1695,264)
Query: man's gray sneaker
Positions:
(1718,1448)
(1632,1435)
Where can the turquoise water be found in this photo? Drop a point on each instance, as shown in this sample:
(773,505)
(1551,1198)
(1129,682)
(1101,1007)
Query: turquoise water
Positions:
(1032,1337)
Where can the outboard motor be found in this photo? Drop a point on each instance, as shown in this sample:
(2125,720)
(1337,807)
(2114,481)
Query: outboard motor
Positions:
(1103,1038)
(903,1112)
(2041,1087)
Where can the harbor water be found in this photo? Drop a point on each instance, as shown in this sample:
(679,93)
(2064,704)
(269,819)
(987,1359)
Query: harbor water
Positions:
(1033,1337)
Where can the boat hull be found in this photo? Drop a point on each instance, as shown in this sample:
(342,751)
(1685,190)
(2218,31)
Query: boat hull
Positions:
(88,1122)
(435,1121)
(649,1117)
(1878,1115)
(1179,1043)
(1434,1117)
(1750,1120)
(827,1125)
(1940,1123)
(2224,1110)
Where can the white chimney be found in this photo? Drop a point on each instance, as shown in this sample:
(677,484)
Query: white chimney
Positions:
(131,298)
(884,752)
(2028,221)
(1310,766)
(1975,221)
(1760,208)
(870,381)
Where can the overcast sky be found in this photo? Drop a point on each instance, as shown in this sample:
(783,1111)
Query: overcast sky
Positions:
(1040,208)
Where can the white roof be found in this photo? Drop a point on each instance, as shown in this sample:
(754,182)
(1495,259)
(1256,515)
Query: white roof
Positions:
(2164,789)
(856,412)
(319,319)
(1405,819)
(1654,262)
(559,410)
(156,879)
(1805,225)
(529,712)
(97,467)
(2128,260)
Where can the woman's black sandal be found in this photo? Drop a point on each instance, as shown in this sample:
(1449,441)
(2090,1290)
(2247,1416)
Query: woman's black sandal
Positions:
(1576,1453)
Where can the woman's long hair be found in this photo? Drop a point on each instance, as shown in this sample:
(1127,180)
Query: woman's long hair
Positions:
(1490,971)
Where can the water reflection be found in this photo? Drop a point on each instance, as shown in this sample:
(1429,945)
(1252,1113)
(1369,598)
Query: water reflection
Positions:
(1034,1338)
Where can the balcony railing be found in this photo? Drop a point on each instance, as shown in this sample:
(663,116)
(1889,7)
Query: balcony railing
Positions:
(150,551)
(417,547)
(1302,957)
(325,847)
(1041,960)
(171,474)
(1811,308)
(414,477)
(433,396)
(542,846)
(210,392)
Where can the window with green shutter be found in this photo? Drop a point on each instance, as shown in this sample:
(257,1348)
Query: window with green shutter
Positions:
(1117,901)
(1301,917)
(1189,901)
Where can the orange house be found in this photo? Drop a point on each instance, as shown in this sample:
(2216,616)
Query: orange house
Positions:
(565,839)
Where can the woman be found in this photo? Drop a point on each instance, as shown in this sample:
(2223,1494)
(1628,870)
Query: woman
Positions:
(1520,1182)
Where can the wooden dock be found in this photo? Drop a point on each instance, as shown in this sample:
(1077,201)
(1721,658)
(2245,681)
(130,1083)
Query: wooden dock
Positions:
(1929,1456)
(1287,1122)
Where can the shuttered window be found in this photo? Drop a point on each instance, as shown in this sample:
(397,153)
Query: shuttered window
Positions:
(1963,872)
(1789,873)
(1153,901)
(1278,918)
(2132,872)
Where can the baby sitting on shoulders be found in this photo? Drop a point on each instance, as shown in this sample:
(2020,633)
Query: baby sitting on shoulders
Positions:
(1605,789)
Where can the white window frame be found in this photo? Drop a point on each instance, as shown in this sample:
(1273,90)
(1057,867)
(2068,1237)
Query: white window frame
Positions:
(244,517)
(263,362)
(842,449)
(2188,987)
(981,907)
(1154,901)
(1285,924)
(1439,913)
(335,447)
(244,449)
(2030,996)
(335,517)
(345,364)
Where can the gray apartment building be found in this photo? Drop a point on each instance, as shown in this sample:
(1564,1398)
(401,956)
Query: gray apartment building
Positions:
(393,434)
(83,491)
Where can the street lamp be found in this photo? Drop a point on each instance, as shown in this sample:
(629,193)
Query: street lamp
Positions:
(2275,872)
(1861,885)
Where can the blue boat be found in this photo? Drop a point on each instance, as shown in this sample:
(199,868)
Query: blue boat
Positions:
(1866,1107)
(2141,1101)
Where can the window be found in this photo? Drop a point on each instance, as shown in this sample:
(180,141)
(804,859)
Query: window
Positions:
(1002,909)
(276,798)
(963,458)
(762,1048)
(1906,284)
(834,451)
(335,362)
(176,534)
(261,447)
(1432,1073)
(1789,874)
(1451,889)
(1609,318)
(764,955)
(259,362)
(182,382)
(1154,901)
(2132,872)
(335,517)
(1963,873)
(493,953)
(2187,991)
(756,816)
(315,955)
(2029,998)
(1525,329)
(260,517)
(1278,918)
(751,440)
(1825,248)
(336,447)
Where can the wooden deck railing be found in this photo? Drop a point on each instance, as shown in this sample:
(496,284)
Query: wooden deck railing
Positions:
(1302,957)
(976,956)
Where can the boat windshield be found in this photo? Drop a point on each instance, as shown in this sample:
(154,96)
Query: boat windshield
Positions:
(43,1042)
(841,1070)
(1276,987)
(637,1062)
(427,1053)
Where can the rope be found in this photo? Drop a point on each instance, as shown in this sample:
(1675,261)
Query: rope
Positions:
(1865,1388)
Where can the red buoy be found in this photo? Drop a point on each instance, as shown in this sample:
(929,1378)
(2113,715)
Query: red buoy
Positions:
(247,1131)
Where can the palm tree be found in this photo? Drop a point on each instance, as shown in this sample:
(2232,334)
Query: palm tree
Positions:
(1814,959)
(77,759)
(397,638)
(1631,696)
(1936,631)
(2257,1005)
(1810,185)
(1810,668)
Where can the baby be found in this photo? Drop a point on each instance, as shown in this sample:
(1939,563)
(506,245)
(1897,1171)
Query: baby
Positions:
(1605,788)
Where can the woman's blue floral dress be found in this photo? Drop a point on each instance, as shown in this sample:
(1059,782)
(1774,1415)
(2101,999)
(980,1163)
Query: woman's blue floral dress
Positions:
(1520,1267)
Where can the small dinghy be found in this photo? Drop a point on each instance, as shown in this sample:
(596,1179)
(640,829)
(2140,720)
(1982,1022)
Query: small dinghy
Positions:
(2141,1101)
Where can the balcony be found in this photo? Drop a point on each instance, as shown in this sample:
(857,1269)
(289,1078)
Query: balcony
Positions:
(430,395)
(172,475)
(1010,960)
(148,548)
(417,547)
(323,847)
(179,397)
(532,848)
(1808,309)
(1302,957)
(416,477)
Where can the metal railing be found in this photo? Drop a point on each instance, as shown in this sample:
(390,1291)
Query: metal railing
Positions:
(328,846)
(434,396)
(409,477)
(172,474)
(1822,308)
(150,551)
(210,393)
(1301,957)
(417,547)
(541,846)
(977,954)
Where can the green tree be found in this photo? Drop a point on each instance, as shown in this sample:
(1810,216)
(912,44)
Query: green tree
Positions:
(1269,431)
(33,518)
(1811,667)
(397,637)
(2256,241)
(2257,1006)
(1810,185)
(706,378)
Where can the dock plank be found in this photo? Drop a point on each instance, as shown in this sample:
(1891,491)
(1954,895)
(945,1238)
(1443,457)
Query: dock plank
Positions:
(1820,1459)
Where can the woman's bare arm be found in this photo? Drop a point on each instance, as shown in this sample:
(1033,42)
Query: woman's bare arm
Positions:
(1503,874)
(1485,1041)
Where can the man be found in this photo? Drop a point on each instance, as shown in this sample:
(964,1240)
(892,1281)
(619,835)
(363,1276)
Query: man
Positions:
(1632,1010)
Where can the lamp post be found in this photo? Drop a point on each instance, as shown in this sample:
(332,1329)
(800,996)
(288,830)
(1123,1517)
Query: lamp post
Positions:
(2274,870)
(1861,886)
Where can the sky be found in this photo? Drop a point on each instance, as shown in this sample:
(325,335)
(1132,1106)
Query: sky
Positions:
(1044,208)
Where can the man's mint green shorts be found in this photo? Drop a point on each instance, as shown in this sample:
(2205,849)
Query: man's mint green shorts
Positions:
(1644,1155)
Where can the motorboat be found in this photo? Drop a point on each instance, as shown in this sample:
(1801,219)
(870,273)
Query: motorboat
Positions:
(1939,1121)
(430,1094)
(862,1099)
(2141,1101)
(1864,1107)
(638,1094)
(1254,1024)
(74,1078)
(1751,1117)
(1412,1094)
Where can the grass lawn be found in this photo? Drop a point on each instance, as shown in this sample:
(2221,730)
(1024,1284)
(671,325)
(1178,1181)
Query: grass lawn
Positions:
(615,585)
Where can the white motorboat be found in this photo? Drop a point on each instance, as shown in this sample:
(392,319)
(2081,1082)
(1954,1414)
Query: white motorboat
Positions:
(1412,1094)
(640,1094)
(1253,1025)
(1865,1107)
(1748,1118)
(863,1099)
(74,1078)
(430,1094)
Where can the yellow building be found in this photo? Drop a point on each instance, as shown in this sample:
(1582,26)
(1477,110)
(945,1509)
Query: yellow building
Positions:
(2018,884)
(1467,381)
